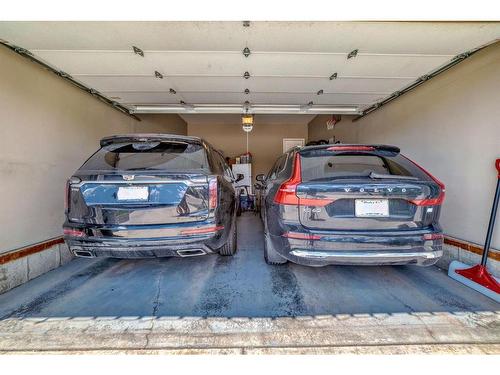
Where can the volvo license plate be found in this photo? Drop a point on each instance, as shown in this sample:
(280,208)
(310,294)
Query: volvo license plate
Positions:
(371,208)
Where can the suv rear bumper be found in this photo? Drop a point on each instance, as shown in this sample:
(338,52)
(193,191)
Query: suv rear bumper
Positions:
(376,248)
(311,257)
(154,242)
(133,249)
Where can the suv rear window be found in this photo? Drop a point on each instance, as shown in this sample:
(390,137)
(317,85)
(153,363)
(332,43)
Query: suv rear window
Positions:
(178,156)
(324,164)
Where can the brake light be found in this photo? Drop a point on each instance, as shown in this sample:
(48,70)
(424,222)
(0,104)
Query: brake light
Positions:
(202,230)
(351,148)
(73,232)
(429,201)
(287,192)
(432,236)
(212,194)
(301,236)
(66,197)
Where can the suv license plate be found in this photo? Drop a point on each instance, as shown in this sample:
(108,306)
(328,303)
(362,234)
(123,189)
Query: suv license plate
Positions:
(132,193)
(371,207)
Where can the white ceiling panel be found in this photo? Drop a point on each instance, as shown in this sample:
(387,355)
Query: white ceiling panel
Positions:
(288,64)
(342,37)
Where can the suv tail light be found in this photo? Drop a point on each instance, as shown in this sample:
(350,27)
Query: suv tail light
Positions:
(73,232)
(429,201)
(287,192)
(212,194)
(66,197)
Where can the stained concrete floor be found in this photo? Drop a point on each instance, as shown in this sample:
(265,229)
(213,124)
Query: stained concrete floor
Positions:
(239,286)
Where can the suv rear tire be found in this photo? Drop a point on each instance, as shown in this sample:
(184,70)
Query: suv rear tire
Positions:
(271,256)
(230,247)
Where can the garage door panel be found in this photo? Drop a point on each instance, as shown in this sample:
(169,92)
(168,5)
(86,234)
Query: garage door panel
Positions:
(146,97)
(381,37)
(215,97)
(344,98)
(200,83)
(235,64)
(238,85)
(392,65)
(385,85)
(126,83)
(127,63)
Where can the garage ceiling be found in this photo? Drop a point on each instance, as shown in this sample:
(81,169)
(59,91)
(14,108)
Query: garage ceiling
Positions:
(294,67)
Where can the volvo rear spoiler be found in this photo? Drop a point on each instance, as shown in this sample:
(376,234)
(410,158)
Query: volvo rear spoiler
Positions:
(351,147)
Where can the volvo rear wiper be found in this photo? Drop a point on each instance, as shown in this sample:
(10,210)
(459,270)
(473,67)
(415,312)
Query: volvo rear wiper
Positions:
(377,176)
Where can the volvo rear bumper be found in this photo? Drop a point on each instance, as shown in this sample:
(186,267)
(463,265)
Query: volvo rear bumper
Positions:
(320,258)
(375,248)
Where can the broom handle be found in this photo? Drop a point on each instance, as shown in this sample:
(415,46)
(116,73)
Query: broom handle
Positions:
(491,224)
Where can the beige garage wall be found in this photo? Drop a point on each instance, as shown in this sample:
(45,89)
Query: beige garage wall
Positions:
(451,126)
(48,130)
(265,140)
(342,131)
(156,123)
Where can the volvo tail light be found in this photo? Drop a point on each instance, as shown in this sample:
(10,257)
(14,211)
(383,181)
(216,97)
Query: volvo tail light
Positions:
(212,194)
(429,201)
(287,192)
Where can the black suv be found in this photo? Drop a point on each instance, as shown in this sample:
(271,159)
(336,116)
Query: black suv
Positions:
(151,195)
(351,204)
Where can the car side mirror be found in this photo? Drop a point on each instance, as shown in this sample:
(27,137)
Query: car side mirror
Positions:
(239,177)
(260,178)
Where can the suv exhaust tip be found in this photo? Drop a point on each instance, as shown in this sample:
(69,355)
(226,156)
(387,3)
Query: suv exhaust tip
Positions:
(190,253)
(83,253)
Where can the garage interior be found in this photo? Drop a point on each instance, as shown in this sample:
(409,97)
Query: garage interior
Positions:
(429,88)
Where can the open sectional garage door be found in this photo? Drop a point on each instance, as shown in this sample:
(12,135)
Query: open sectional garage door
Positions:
(208,166)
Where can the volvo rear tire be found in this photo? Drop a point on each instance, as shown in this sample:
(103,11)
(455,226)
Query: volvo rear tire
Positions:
(271,256)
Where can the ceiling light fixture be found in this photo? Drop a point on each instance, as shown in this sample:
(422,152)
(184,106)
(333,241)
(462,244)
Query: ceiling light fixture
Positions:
(246,52)
(333,76)
(158,74)
(247,122)
(352,54)
(138,51)
(246,108)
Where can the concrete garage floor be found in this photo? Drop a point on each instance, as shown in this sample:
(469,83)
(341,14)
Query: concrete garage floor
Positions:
(127,303)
